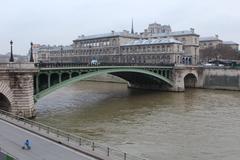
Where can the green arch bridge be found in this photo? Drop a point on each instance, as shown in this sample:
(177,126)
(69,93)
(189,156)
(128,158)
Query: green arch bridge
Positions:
(51,78)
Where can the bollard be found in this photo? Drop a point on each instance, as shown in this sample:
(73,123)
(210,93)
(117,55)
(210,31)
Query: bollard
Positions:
(80,141)
(93,146)
(68,137)
(57,133)
(125,156)
(108,150)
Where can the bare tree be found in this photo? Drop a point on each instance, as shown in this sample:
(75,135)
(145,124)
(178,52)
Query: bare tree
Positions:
(220,52)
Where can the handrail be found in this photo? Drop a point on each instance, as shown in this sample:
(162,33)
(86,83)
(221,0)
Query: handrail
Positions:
(82,144)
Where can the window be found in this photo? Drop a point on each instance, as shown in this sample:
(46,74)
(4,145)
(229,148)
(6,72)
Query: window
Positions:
(163,48)
(153,48)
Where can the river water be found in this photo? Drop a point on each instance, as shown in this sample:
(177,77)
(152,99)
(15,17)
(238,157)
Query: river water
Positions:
(193,125)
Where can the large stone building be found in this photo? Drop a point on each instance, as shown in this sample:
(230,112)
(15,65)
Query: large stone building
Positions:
(214,42)
(156,28)
(231,44)
(190,42)
(157,45)
(207,42)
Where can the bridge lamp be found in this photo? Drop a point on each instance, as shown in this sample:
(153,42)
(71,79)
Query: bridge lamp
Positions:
(31,53)
(11,53)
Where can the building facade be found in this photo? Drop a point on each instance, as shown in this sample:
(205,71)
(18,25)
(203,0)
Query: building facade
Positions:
(158,46)
(207,42)
(190,42)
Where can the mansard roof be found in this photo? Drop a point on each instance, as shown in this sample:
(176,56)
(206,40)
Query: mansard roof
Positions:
(54,48)
(152,41)
(176,33)
(213,38)
(230,42)
(107,35)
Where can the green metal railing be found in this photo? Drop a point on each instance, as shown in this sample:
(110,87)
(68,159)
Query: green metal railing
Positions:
(78,143)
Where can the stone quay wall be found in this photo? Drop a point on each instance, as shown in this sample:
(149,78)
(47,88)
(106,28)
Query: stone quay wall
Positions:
(220,78)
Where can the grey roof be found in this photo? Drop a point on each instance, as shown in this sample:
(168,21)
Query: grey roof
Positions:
(57,48)
(152,41)
(105,35)
(213,38)
(176,33)
(54,48)
(230,42)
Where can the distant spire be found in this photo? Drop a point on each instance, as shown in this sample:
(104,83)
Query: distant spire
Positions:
(132,30)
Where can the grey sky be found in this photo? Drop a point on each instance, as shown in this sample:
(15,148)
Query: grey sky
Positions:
(61,21)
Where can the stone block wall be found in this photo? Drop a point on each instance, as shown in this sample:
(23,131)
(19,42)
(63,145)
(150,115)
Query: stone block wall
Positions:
(220,78)
(16,89)
(21,85)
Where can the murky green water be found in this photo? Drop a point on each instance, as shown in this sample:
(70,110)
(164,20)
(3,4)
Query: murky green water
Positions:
(194,125)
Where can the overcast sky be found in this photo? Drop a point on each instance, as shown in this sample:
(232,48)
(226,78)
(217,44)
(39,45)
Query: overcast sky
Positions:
(60,21)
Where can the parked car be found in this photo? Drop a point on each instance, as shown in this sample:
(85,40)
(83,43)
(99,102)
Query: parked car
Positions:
(94,62)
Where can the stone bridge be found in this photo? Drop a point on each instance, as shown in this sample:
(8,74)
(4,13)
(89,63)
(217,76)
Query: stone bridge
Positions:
(21,85)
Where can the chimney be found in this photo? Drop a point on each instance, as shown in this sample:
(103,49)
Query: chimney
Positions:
(192,30)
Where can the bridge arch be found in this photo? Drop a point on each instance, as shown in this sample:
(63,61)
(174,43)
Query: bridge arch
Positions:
(54,78)
(6,97)
(133,76)
(190,80)
(43,79)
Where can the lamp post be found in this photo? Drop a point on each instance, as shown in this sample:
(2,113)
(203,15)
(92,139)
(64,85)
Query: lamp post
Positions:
(61,54)
(31,53)
(11,56)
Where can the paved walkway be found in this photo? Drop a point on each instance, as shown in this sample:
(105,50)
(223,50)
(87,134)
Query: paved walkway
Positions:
(12,139)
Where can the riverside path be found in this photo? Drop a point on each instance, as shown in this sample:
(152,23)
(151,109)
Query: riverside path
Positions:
(13,137)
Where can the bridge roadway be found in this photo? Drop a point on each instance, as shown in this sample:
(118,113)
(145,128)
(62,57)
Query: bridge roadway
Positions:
(13,137)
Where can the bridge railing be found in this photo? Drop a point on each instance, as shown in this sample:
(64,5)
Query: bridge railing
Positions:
(59,65)
(82,144)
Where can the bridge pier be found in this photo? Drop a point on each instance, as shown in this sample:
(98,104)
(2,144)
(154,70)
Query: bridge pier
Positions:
(186,77)
(16,87)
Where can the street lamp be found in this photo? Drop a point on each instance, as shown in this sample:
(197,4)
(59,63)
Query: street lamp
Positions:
(61,54)
(11,56)
(31,53)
